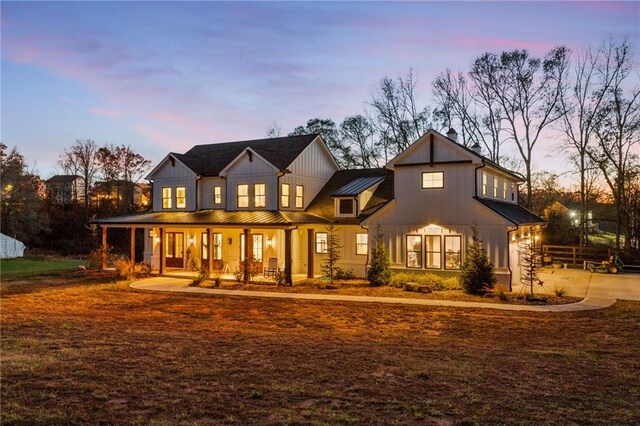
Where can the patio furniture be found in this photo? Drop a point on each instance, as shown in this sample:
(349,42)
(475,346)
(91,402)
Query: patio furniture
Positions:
(271,268)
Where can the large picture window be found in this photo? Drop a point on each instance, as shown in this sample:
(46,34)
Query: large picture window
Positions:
(285,195)
(362,244)
(259,195)
(414,251)
(433,252)
(322,240)
(243,196)
(432,180)
(181,197)
(453,252)
(217,195)
(166,198)
(299,196)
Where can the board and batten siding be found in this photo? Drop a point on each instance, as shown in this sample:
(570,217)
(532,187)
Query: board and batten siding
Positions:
(172,174)
(205,192)
(251,170)
(312,169)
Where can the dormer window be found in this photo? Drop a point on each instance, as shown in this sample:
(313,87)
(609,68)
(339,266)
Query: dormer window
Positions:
(299,196)
(166,198)
(432,180)
(217,195)
(284,195)
(181,197)
(484,184)
(345,207)
(495,187)
(259,197)
(243,196)
(504,189)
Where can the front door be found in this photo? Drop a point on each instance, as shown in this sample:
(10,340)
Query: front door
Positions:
(175,250)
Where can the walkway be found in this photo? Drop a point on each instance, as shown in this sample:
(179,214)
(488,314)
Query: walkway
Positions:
(600,291)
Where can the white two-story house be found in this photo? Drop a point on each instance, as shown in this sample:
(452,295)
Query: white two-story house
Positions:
(272,199)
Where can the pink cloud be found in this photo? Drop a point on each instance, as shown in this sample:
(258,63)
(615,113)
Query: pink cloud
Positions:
(496,43)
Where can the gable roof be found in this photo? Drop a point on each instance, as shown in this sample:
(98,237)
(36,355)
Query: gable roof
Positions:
(323,204)
(211,159)
(514,213)
(62,178)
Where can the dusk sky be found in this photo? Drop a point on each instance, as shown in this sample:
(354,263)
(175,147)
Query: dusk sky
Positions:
(163,76)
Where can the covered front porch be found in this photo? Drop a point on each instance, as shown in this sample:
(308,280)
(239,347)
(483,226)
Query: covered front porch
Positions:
(187,244)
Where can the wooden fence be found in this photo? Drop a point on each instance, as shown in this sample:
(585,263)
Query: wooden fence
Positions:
(573,255)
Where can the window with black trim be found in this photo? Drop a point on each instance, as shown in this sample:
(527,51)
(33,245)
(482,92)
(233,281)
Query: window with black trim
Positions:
(181,197)
(432,180)
(243,195)
(322,242)
(414,251)
(453,252)
(166,198)
(259,195)
(362,244)
(285,195)
(345,207)
(217,195)
(433,252)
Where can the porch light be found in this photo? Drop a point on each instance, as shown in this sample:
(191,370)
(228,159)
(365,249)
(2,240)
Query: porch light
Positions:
(191,239)
(537,237)
(151,233)
(269,241)
(513,237)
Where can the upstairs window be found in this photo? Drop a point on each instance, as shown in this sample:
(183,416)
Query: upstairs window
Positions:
(504,189)
(345,207)
(299,196)
(432,180)
(181,197)
(284,195)
(166,198)
(495,187)
(259,197)
(217,195)
(484,184)
(322,240)
(362,244)
(513,192)
(243,196)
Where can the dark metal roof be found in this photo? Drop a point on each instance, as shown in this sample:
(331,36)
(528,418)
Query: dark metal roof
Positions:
(356,186)
(62,178)
(323,205)
(214,217)
(515,213)
(210,159)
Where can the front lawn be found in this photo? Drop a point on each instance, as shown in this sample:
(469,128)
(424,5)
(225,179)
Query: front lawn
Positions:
(28,267)
(80,352)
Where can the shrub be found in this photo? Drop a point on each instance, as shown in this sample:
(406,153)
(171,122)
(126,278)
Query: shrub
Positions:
(203,274)
(477,275)
(333,253)
(279,277)
(125,268)
(96,256)
(344,274)
(253,266)
(379,272)
(424,283)
(502,295)
(559,292)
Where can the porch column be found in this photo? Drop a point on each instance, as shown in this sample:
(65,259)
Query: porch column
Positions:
(103,254)
(210,250)
(287,257)
(162,254)
(132,248)
(247,254)
(310,251)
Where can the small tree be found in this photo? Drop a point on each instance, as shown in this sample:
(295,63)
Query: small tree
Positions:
(379,272)
(530,260)
(329,266)
(477,275)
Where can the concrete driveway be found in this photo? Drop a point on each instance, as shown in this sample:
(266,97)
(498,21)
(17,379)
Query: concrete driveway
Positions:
(579,283)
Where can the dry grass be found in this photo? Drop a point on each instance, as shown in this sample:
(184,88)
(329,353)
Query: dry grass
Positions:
(85,352)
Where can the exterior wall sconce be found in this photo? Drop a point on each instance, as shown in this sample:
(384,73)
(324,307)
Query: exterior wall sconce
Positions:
(269,241)
(151,234)
(229,240)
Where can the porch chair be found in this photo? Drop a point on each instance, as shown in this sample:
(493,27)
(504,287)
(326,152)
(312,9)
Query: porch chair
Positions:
(271,268)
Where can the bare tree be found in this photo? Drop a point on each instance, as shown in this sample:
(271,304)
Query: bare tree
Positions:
(82,158)
(275,131)
(358,136)
(527,90)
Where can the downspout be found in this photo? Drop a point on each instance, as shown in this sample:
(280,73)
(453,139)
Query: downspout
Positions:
(198,192)
(366,264)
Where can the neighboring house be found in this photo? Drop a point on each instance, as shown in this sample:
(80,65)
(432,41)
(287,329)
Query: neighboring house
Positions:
(121,194)
(280,195)
(65,189)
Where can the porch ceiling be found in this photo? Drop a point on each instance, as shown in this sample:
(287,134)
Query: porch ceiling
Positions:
(215,217)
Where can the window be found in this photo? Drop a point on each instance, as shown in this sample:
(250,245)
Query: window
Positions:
(414,251)
(433,252)
(495,187)
(504,189)
(204,246)
(345,207)
(243,196)
(484,184)
(322,239)
(284,195)
(433,180)
(259,197)
(513,192)
(217,246)
(362,244)
(166,198)
(453,250)
(256,247)
(217,195)
(181,197)
(299,196)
